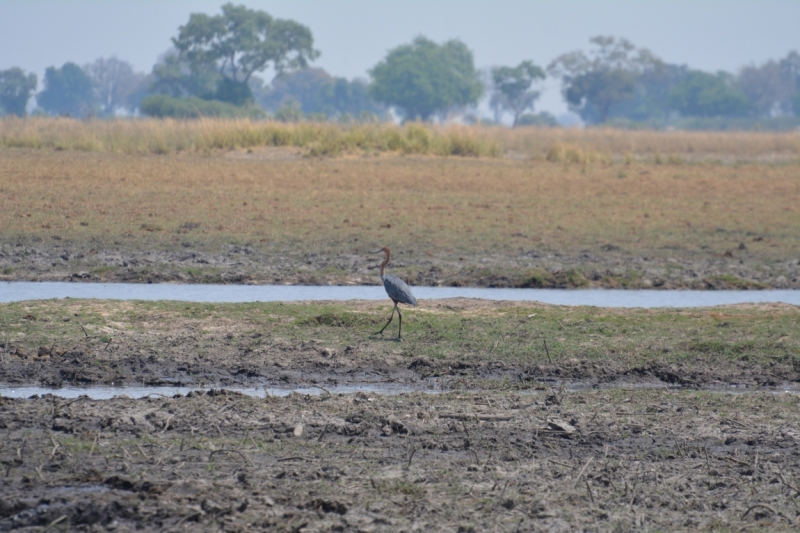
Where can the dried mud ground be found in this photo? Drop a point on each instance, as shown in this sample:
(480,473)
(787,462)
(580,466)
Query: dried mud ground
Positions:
(620,460)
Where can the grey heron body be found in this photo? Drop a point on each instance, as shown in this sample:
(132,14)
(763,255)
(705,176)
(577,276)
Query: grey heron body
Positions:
(397,289)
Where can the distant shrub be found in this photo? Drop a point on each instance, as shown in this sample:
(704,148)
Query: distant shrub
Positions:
(543,119)
(164,106)
(289,112)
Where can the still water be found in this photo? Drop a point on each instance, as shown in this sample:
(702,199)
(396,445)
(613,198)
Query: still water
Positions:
(101,392)
(433,386)
(20,290)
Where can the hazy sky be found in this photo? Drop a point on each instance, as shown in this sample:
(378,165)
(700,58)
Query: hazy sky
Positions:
(353,35)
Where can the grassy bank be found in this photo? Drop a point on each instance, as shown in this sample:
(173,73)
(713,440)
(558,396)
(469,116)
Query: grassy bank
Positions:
(484,343)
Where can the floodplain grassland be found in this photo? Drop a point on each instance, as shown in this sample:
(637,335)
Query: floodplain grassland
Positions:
(583,208)
(504,444)
(475,343)
(166,136)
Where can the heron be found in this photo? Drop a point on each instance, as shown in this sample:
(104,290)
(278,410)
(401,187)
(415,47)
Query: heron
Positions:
(397,289)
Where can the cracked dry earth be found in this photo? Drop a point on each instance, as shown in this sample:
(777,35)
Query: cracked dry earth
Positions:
(612,460)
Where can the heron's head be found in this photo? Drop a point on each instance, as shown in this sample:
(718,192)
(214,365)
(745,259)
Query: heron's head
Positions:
(384,250)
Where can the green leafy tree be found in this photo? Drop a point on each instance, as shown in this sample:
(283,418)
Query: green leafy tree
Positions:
(305,89)
(790,73)
(769,87)
(133,100)
(317,92)
(114,83)
(702,94)
(424,78)
(351,99)
(16,89)
(650,103)
(67,91)
(593,83)
(173,77)
(511,86)
(235,45)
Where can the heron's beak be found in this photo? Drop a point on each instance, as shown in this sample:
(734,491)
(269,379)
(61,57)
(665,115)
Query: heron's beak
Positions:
(377,251)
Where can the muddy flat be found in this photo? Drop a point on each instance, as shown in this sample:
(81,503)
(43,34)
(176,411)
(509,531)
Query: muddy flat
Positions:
(624,460)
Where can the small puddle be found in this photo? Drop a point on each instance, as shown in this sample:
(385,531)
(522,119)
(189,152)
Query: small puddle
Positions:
(106,393)
(385,389)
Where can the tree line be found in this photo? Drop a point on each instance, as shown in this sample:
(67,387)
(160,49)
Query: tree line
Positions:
(214,64)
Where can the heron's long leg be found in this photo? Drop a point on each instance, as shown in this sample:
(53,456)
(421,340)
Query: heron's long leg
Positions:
(390,319)
(400,329)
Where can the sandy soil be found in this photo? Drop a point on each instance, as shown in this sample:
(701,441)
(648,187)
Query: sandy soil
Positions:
(625,460)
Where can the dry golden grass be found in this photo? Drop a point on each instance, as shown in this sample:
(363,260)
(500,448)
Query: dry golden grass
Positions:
(450,206)
(688,144)
(208,135)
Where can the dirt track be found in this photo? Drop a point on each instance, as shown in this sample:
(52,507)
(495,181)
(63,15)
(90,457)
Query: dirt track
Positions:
(602,461)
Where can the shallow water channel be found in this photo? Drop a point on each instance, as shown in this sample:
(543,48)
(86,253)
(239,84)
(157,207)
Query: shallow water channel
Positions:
(20,290)
(433,386)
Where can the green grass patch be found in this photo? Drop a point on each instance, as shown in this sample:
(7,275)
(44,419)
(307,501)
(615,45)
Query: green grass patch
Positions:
(542,279)
(462,334)
(102,270)
(730,282)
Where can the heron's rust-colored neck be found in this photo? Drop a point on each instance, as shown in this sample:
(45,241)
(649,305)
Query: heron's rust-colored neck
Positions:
(385,261)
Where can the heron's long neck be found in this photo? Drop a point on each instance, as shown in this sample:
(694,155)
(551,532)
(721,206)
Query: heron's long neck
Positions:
(385,262)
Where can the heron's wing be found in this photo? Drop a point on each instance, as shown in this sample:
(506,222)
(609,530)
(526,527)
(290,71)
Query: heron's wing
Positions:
(397,289)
